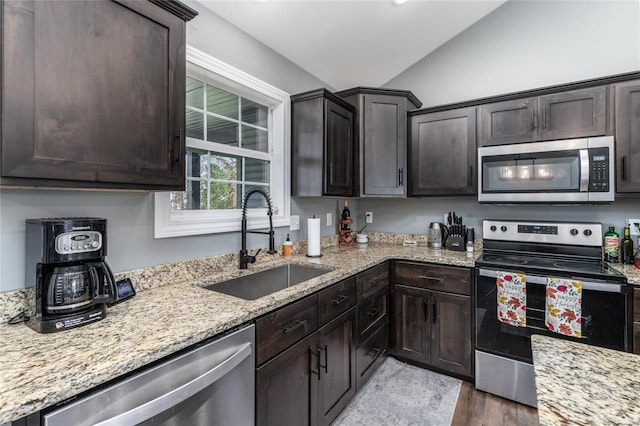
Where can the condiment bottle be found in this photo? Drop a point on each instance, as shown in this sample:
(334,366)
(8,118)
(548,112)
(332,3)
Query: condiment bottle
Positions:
(611,245)
(626,247)
(287,248)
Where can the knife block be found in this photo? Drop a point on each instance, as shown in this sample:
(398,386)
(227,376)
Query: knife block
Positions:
(457,242)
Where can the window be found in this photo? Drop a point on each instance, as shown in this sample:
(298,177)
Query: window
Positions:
(237,138)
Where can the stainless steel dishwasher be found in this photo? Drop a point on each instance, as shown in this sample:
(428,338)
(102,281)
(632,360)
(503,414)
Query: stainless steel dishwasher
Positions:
(213,384)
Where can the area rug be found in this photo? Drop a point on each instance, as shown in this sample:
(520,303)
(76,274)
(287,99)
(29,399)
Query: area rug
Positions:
(399,394)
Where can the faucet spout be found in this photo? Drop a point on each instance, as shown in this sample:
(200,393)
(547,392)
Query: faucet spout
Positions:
(245,258)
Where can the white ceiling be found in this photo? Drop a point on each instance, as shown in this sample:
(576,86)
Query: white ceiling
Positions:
(357,42)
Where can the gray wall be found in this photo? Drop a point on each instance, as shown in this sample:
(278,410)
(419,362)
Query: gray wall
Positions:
(529,44)
(130,214)
(521,45)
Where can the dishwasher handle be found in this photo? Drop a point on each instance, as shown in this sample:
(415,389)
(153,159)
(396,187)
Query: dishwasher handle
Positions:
(176,396)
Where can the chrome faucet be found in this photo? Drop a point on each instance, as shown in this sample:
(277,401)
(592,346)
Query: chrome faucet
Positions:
(245,258)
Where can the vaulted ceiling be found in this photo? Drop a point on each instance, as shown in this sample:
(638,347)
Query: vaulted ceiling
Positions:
(353,43)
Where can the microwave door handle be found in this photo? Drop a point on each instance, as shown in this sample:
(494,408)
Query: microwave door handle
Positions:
(584,170)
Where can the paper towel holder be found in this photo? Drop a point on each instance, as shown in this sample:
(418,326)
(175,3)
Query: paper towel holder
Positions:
(317,238)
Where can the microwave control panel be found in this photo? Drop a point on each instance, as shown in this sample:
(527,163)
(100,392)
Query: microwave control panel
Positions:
(599,173)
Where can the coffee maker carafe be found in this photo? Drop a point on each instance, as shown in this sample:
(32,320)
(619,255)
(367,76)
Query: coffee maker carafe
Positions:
(65,259)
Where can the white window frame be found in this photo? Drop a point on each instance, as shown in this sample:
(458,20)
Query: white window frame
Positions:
(170,223)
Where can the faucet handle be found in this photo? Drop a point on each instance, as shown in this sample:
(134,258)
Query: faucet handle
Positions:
(255,255)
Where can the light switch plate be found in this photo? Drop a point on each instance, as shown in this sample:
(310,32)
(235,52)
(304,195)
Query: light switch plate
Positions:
(634,226)
(294,223)
(329,219)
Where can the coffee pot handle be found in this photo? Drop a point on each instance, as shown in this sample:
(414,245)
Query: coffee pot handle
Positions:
(110,293)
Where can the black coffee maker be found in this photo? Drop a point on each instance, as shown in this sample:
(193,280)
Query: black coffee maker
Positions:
(65,262)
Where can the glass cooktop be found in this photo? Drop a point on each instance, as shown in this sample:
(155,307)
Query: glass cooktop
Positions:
(544,265)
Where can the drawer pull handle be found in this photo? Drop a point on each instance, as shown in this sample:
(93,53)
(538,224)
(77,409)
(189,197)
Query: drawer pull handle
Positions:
(340,299)
(326,359)
(298,324)
(425,277)
(374,352)
(372,283)
(373,312)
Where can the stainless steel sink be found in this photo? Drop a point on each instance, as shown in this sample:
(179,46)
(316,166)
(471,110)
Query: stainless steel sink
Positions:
(263,283)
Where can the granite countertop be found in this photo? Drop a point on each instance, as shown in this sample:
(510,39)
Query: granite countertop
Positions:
(579,384)
(40,370)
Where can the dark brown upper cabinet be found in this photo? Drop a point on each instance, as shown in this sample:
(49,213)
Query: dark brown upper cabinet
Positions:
(381,135)
(627,128)
(93,94)
(322,145)
(443,153)
(565,115)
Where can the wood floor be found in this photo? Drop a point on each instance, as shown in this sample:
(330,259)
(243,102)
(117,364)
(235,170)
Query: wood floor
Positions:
(477,408)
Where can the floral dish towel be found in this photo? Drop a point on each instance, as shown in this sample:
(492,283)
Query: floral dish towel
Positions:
(564,306)
(512,298)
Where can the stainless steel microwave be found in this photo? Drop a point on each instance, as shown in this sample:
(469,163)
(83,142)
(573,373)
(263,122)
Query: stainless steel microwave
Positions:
(564,171)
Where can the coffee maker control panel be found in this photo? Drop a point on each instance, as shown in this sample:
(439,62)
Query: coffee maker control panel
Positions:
(78,242)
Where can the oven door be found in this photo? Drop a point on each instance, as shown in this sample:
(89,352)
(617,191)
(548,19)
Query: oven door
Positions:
(568,171)
(603,316)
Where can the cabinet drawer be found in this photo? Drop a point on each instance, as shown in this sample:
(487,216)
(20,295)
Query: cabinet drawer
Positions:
(372,281)
(372,353)
(371,314)
(335,300)
(285,326)
(442,278)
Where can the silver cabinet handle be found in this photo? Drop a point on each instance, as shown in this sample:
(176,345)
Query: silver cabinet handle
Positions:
(425,277)
(176,396)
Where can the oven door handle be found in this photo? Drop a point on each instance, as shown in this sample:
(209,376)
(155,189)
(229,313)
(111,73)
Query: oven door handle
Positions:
(586,285)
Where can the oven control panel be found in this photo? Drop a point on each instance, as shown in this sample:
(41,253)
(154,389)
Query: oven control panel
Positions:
(578,233)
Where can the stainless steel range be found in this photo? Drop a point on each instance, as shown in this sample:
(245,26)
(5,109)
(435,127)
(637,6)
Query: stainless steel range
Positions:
(537,254)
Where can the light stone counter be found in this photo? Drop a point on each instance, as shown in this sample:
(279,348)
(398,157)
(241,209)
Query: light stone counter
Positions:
(39,370)
(630,271)
(578,384)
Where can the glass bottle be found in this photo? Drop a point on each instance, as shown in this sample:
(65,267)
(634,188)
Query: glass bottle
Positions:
(626,247)
(346,215)
(612,245)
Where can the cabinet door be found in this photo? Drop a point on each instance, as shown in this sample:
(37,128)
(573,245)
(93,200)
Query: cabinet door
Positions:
(287,387)
(507,122)
(80,112)
(443,153)
(627,110)
(574,114)
(339,151)
(411,323)
(451,332)
(337,349)
(384,145)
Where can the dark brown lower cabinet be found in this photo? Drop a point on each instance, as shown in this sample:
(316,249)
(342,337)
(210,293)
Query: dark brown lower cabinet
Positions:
(286,386)
(433,327)
(313,380)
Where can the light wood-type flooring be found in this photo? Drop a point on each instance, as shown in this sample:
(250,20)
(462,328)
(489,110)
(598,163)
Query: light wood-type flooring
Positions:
(476,408)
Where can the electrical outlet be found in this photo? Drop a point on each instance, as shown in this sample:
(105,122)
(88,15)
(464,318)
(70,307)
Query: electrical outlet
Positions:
(294,223)
(329,219)
(368,217)
(634,226)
